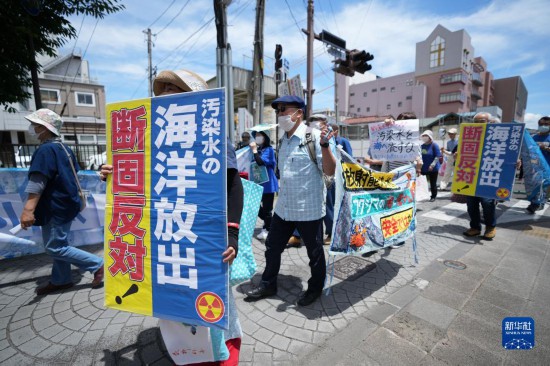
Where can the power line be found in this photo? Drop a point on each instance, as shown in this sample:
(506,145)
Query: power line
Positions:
(293,17)
(363,22)
(79,66)
(164,12)
(175,16)
(72,53)
(188,38)
(334,16)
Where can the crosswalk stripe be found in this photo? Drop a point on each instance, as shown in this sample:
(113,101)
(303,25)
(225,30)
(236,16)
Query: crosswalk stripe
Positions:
(446,213)
(517,213)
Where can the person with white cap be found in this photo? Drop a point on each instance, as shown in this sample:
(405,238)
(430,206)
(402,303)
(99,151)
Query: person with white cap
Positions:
(449,157)
(430,161)
(180,81)
(54,201)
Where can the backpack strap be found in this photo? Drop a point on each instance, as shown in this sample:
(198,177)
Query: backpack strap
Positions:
(310,143)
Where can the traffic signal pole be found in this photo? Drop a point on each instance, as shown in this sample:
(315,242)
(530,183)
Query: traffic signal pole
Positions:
(310,38)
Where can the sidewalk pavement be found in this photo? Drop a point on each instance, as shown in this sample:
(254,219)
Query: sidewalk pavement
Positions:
(383,309)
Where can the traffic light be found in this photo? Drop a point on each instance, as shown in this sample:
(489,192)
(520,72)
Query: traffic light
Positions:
(344,67)
(360,60)
(278,54)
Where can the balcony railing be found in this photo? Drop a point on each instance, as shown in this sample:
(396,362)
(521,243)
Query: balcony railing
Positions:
(476,79)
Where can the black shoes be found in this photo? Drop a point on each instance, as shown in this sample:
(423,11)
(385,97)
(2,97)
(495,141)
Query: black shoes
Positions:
(260,292)
(308,298)
(432,199)
(534,207)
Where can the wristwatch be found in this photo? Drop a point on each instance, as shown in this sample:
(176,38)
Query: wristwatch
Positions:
(325,145)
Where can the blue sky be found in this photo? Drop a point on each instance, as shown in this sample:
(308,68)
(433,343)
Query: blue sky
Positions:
(510,35)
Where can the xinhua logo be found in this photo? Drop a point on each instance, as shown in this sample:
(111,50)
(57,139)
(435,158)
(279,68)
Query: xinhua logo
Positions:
(518,333)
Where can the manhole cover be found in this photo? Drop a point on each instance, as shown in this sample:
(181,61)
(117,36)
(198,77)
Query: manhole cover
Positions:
(454,264)
(351,268)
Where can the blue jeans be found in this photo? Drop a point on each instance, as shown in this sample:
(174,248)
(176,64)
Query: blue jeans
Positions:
(329,217)
(57,246)
(488,206)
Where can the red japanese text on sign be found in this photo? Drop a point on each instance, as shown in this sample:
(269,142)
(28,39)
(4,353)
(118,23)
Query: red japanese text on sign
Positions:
(128,129)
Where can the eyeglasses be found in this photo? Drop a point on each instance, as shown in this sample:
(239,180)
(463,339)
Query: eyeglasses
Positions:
(284,108)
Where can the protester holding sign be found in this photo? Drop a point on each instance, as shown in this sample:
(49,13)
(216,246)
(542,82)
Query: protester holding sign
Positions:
(54,202)
(542,138)
(173,82)
(264,156)
(301,198)
(430,161)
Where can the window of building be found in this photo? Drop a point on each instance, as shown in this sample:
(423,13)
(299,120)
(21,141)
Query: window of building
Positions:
(452,78)
(388,106)
(101,139)
(383,88)
(84,99)
(70,139)
(409,97)
(50,96)
(86,139)
(374,90)
(392,89)
(358,110)
(365,94)
(451,97)
(409,82)
(351,94)
(351,106)
(368,109)
(400,104)
(437,52)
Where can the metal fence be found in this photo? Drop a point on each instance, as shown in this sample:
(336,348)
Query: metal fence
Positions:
(19,156)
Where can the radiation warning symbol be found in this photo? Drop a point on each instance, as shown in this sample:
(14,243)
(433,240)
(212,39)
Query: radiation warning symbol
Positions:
(210,307)
(503,192)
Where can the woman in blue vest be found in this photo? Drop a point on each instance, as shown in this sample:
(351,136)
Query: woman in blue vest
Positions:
(264,155)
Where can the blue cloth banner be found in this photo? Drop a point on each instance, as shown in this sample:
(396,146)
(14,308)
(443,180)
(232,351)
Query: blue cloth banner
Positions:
(87,227)
(536,170)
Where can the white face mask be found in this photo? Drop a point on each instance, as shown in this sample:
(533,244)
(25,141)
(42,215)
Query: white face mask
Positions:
(426,139)
(316,125)
(286,122)
(33,133)
(259,140)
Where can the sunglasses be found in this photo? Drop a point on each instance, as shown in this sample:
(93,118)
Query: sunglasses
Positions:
(284,108)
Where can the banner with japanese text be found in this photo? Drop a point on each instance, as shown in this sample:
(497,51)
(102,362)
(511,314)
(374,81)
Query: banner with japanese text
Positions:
(395,141)
(166,215)
(86,228)
(373,210)
(486,159)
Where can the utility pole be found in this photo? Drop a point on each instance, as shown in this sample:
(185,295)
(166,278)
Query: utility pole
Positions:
(150,56)
(224,70)
(310,37)
(258,65)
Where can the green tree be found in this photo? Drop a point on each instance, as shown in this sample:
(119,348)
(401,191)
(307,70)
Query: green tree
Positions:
(31,27)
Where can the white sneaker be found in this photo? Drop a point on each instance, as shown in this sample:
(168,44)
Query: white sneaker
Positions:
(262,235)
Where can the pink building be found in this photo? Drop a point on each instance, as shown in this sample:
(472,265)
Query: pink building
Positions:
(448,78)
